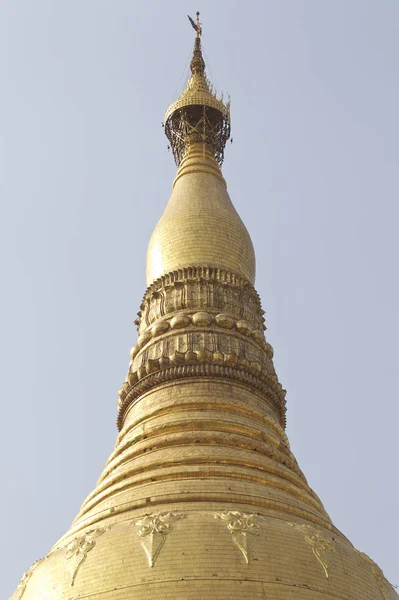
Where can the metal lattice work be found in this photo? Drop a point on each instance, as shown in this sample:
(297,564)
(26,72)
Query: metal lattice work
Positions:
(197,123)
(198,115)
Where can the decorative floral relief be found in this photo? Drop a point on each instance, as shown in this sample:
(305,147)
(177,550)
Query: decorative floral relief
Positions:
(241,525)
(199,347)
(76,551)
(153,529)
(197,291)
(21,587)
(321,546)
(378,573)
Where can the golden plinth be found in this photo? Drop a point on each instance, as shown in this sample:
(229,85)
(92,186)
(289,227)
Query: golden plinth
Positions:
(201,497)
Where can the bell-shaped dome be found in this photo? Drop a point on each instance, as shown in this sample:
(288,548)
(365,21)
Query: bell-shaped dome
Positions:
(200,225)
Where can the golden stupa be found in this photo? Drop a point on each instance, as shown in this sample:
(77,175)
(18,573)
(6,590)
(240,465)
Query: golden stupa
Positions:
(201,497)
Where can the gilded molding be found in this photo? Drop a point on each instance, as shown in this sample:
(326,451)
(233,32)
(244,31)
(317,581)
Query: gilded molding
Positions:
(321,546)
(190,346)
(201,288)
(241,526)
(123,482)
(79,547)
(269,387)
(21,587)
(123,441)
(201,316)
(184,335)
(202,319)
(153,530)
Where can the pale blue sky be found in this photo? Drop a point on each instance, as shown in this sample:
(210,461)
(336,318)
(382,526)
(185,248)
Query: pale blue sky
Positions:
(84,176)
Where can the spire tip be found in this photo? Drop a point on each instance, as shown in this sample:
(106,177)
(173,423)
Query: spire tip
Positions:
(198,115)
(196,24)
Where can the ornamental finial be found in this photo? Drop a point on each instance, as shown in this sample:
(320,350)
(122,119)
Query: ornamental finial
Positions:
(196,25)
(198,116)
(197,64)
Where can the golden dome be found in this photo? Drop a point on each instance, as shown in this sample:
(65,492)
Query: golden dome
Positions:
(202,497)
(200,225)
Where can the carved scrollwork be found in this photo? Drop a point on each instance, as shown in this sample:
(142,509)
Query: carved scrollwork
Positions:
(76,551)
(153,530)
(320,545)
(241,526)
(198,288)
(182,346)
(201,319)
(201,315)
(209,341)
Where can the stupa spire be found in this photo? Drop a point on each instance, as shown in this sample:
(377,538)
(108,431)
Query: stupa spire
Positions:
(197,64)
(202,496)
(198,115)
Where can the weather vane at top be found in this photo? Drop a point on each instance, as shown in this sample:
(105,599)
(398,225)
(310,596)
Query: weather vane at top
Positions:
(197,25)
